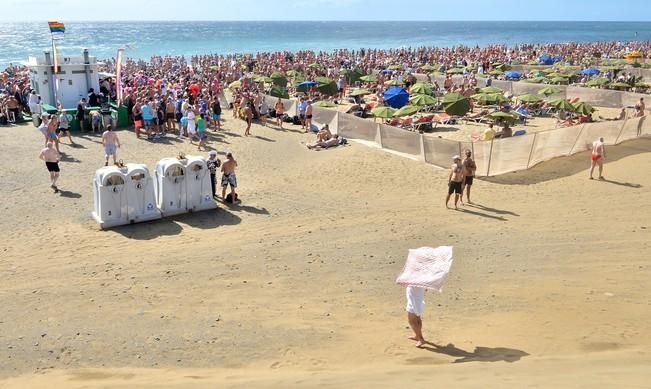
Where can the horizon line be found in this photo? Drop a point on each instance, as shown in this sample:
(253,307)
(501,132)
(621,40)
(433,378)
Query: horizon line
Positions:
(332,21)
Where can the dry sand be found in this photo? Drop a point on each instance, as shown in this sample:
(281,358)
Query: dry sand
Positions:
(295,287)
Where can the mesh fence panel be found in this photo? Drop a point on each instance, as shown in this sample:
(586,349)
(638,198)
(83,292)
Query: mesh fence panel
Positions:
(504,85)
(397,139)
(553,143)
(510,154)
(593,131)
(630,130)
(353,127)
(481,152)
(646,126)
(630,99)
(439,151)
(322,116)
(598,97)
(523,88)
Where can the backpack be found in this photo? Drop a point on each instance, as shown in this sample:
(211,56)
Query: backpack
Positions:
(296,120)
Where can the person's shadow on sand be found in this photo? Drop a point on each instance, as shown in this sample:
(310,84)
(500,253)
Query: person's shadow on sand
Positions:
(481,354)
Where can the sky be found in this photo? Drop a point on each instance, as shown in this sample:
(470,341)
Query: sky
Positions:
(177,10)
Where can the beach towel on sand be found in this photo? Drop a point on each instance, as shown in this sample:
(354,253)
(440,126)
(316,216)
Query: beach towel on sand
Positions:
(426,267)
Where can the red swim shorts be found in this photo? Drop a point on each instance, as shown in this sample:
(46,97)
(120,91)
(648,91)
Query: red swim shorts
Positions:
(595,157)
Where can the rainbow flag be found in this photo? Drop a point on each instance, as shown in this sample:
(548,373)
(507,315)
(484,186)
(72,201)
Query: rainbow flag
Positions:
(56,27)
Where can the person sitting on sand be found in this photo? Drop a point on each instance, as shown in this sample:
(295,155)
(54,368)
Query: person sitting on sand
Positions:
(334,141)
(324,134)
(506,132)
(621,116)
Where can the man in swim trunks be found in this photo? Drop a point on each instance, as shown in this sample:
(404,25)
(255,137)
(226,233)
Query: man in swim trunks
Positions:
(415,305)
(248,116)
(469,168)
(228,176)
(597,157)
(51,158)
(111,143)
(308,116)
(455,180)
(280,111)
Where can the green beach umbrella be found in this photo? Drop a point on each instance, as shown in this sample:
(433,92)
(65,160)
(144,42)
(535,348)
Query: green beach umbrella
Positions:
(392,82)
(584,108)
(489,98)
(502,67)
(368,78)
(539,73)
(360,92)
(642,85)
(279,79)
(429,68)
(234,85)
(292,73)
(279,91)
(395,67)
(455,71)
(422,99)
(495,72)
(558,80)
(481,75)
(619,85)
(407,110)
(352,76)
(422,88)
(561,104)
(325,104)
(529,98)
(597,81)
(383,112)
(490,89)
(549,90)
(266,79)
(456,104)
(536,80)
(314,65)
(502,115)
(326,86)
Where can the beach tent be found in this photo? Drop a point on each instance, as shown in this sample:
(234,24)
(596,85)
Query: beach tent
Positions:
(590,71)
(396,97)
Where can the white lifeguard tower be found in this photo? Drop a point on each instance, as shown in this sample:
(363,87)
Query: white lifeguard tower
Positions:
(141,198)
(76,75)
(110,198)
(170,186)
(198,184)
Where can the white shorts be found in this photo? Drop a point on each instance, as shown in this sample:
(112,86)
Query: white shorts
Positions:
(415,300)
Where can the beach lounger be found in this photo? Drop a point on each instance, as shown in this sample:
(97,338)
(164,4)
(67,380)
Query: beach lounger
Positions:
(475,117)
(442,118)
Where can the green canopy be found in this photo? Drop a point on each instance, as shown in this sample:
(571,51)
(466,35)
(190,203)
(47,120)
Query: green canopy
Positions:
(642,85)
(395,67)
(352,76)
(539,73)
(536,80)
(234,85)
(383,112)
(561,104)
(429,68)
(502,67)
(556,74)
(279,79)
(597,81)
(279,91)
(502,115)
(368,78)
(455,71)
(360,92)
(456,104)
(489,98)
(326,86)
(529,98)
(266,79)
(407,110)
(392,82)
(422,99)
(558,80)
(490,89)
(481,75)
(549,90)
(422,88)
(618,85)
(325,104)
(584,108)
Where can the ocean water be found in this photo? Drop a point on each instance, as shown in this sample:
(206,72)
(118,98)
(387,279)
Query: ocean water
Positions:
(143,39)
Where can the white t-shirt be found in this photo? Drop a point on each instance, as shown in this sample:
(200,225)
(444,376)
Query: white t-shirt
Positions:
(191,124)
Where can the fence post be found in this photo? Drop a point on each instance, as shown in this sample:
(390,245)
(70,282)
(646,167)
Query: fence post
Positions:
(577,139)
(378,135)
(422,147)
(621,130)
(639,126)
(533,144)
(490,157)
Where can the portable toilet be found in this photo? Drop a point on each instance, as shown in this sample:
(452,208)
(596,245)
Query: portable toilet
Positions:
(169,186)
(198,184)
(109,197)
(141,199)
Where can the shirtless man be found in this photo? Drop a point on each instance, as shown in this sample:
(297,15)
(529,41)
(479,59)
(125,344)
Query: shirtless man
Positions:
(228,176)
(43,127)
(280,111)
(334,141)
(597,157)
(469,168)
(51,158)
(308,116)
(455,179)
(324,134)
(248,116)
(111,143)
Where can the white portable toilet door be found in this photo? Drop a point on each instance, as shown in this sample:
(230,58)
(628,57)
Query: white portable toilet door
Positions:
(112,198)
(176,177)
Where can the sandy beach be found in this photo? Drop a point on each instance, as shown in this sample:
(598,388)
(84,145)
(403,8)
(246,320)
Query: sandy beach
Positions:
(295,287)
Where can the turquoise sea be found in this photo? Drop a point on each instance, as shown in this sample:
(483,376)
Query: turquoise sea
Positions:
(144,39)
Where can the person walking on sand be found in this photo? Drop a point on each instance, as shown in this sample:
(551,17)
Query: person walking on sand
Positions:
(111,143)
(51,158)
(228,176)
(415,305)
(248,116)
(469,168)
(455,179)
(597,157)
(280,111)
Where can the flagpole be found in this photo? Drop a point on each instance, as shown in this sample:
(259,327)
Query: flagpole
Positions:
(55,62)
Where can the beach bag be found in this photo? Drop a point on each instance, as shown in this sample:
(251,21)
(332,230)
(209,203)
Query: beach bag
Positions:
(342,141)
(229,198)
(296,120)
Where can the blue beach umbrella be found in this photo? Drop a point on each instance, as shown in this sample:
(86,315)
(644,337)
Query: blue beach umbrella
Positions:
(513,75)
(306,84)
(396,97)
(590,72)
